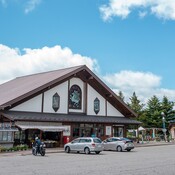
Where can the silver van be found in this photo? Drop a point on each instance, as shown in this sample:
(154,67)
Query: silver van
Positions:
(84,144)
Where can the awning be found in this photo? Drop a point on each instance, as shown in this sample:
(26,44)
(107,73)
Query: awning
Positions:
(46,127)
(141,128)
(10,129)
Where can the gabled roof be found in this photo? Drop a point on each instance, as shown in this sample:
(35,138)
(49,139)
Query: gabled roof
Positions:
(23,88)
(11,91)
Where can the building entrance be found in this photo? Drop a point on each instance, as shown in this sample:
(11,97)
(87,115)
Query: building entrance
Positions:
(118,131)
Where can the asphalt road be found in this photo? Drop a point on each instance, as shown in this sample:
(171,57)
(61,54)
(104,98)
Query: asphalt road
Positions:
(141,161)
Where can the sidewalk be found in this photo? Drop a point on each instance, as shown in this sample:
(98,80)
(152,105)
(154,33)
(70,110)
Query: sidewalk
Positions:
(29,152)
(61,150)
(153,143)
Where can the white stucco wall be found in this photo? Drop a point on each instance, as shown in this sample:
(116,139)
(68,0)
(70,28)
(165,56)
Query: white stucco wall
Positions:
(80,83)
(35,104)
(111,111)
(32,105)
(62,91)
(91,96)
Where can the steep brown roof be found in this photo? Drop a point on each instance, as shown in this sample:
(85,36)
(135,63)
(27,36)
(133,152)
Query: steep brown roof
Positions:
(12,91)
(23,88)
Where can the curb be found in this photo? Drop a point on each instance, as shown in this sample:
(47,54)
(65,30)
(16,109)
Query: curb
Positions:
(148,145)
(28,152)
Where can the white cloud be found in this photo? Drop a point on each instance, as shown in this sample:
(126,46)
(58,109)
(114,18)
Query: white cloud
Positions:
(14,64)
(132,79)
(145,84)
(31,5)
(3,2)
(164,9)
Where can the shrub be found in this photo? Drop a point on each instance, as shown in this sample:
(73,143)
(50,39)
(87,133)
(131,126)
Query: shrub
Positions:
(26,147)
(10,149)
(15,148)
(21,147)
(1,148)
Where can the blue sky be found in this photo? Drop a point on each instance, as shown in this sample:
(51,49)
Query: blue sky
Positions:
(129,44)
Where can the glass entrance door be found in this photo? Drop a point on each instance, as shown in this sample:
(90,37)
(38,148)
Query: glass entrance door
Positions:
(86,132)
(118,131)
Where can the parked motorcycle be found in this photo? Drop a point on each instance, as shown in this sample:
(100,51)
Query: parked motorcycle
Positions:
(39,150)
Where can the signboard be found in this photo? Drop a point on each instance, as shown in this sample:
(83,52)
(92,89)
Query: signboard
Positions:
(108,130)
(67,132)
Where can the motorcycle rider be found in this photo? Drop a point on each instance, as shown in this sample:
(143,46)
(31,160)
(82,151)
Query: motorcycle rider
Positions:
(37,143)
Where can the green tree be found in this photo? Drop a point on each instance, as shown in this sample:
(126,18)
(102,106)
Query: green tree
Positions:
(167,109)
(152,112)
(138,107)
(135,104)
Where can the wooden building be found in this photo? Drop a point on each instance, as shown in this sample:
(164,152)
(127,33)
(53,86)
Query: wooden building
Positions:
(59,106)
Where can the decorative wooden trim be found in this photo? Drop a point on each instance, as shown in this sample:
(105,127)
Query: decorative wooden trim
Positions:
(68,96)
(85,97)
(42,103)
(106,107)
(61,139)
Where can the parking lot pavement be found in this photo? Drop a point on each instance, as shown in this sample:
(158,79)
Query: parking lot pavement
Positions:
(142,160)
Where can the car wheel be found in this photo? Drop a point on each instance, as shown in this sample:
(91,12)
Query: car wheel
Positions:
(128,150)
(119,148)
(87,151)
(97,152)
(67,149)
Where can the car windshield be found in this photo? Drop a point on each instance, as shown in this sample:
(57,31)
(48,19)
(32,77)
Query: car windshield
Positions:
(115,139)
(75,141)
(97,140)
(85,140)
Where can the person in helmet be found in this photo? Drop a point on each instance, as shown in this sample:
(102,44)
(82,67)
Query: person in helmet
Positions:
(37,143)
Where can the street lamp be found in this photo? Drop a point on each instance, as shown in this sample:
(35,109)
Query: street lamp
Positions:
(163,125)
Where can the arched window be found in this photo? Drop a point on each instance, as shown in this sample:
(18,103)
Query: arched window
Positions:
(75,97)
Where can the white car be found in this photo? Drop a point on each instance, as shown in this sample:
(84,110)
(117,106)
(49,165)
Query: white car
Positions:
(85,144)
(118,144)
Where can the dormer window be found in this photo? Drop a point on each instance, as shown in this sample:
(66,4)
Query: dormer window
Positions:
(55,102)
(96,105)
